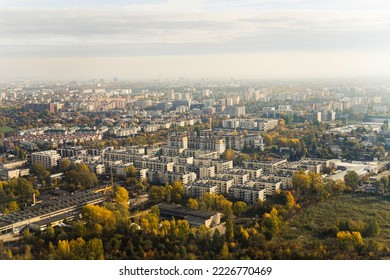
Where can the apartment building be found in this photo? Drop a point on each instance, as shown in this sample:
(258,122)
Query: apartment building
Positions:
(49,159)
(247,194)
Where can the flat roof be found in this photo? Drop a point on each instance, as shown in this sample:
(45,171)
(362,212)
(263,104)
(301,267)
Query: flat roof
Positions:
(182,212)
(52,205)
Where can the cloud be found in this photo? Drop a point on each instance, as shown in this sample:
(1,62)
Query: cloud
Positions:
(182,27)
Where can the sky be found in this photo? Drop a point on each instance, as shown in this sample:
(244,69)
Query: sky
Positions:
(47,39)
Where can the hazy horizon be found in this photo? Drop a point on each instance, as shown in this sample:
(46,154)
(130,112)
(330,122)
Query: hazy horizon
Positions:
(253,39)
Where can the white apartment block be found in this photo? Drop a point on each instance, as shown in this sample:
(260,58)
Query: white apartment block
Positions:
(170,177)
(48,159)
(206,172)
(200,188)
(177,160)
(253,173)
(155,165)
(270,185)
(201,154)
(222,165)
(224,183)
(249,124)
(239,176)
(267,166)
(123,155)
(247,194)
(231,123)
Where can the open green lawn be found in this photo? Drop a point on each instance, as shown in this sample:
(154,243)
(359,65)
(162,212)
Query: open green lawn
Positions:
(320,221)
(6,129)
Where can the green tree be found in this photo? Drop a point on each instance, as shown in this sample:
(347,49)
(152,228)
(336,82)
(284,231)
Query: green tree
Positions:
(351,179)
(301,182)
(131,171)
(13,206)
(80,176)
(239,208)
(385,125)
(157,194)
(40,171)
(63,250)
(193,203)
(24,189)
(372,228)
(78,249)
(94,249)
(270,224)
(229,232)
(268,140)
(385,182)
(177,191)
(64,165)
(224,253)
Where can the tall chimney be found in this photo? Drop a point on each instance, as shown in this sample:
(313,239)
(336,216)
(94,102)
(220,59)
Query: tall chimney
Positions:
(34,199)
(211,128)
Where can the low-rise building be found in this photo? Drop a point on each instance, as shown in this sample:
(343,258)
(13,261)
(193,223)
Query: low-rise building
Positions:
(194,217)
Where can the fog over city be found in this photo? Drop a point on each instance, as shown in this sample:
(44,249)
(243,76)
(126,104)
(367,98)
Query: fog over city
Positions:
(193,39)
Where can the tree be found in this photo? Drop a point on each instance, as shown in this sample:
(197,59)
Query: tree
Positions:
(177,191)
(350,240)
(372,228)
(224,253)
(78,249)
(157,194)
(229,232)
(282,123)
(13,206)
(268,140)
(131,171)
(351,179)
(96,215)
(24,189)
(229,154)
(122,198)
(80,176)
(222,204)
(239,208)
(301,182)
(193,203)
(385,125)
(94,249)
(64,164)
(337,187)
(270,224)
(63,250)
(315,180)
(39,170)
(290,201)
(385,182)
(282,142)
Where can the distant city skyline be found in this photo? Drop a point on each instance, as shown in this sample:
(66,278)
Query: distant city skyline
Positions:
(193,39)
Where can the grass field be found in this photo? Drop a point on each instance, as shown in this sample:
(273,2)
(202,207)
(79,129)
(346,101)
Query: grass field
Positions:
(319,221)
(6,129)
